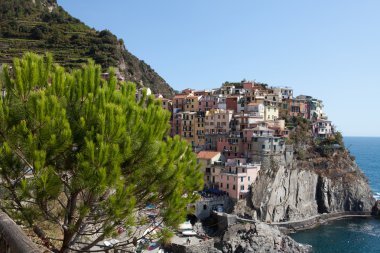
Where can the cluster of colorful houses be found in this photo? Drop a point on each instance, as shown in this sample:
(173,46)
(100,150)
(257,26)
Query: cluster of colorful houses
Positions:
(232,127)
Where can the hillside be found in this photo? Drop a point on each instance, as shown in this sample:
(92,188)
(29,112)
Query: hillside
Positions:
(42,25)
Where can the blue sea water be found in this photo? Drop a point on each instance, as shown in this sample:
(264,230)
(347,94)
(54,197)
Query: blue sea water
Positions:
(351,235)
(367,153)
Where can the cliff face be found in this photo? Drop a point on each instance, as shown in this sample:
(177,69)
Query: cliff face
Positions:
(259,237)
(43,26)
(290,189)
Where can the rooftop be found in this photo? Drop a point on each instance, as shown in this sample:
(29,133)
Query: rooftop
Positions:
(207,154)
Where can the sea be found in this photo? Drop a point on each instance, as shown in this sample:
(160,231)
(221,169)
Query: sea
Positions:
(353,235)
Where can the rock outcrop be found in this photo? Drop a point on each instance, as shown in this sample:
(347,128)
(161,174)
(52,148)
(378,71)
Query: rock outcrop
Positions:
(376,209)
(291,190)
(259,237)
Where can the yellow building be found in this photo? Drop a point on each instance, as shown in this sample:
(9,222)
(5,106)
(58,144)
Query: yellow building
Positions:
(188,126)
(192,103)
(271,111)
(200,129)
(218,121)
(207,160)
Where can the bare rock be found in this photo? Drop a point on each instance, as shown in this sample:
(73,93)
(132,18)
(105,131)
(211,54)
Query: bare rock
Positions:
(291,191)
(376,209)
(259,237)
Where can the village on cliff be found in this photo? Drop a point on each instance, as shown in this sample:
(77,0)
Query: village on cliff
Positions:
(232,127)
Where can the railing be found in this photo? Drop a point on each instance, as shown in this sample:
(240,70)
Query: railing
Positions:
(13,239)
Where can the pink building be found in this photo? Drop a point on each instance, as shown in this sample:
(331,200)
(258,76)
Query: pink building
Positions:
(207,103)
(237,176)
(231,146)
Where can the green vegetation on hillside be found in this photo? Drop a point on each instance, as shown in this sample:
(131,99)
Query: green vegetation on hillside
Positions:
(42,26)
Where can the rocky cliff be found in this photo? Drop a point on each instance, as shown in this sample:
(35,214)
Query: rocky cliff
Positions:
(259,237)
(291,189)
(250,237)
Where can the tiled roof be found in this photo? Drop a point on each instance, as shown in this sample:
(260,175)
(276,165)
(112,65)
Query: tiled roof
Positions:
(207,154)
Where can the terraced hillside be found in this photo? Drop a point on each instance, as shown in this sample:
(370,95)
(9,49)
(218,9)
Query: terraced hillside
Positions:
(42,25)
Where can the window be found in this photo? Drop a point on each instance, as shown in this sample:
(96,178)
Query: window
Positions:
(221,185)
(249,179)
(228,178)
(263,146)
(233,187)
(241,179)
(242,187)
(228,186)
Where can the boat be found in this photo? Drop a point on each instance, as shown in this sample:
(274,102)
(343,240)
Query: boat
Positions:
(185,226)
(189,233)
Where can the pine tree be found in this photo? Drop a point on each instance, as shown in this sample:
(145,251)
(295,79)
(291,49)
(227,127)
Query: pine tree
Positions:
(79,157)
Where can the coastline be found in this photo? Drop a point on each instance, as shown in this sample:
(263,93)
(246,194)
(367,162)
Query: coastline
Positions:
(317,220)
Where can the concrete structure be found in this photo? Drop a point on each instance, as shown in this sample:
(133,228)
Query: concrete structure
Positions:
(205,206)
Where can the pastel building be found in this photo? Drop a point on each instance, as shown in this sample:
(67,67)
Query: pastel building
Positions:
(322,128)
(246,120)
(206,103)
(231,146)
(179,101)
(271,112)
(237,177)
(316,109)
(207,159)
(192,103)
(167,104)
(199,126)
(188,127)
(256,108)
(218,121)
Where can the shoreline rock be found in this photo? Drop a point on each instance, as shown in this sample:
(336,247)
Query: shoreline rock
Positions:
(259,237)
(299,189)
(376,209)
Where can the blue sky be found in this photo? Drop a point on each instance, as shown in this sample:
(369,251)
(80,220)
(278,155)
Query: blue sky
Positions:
(327,49)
